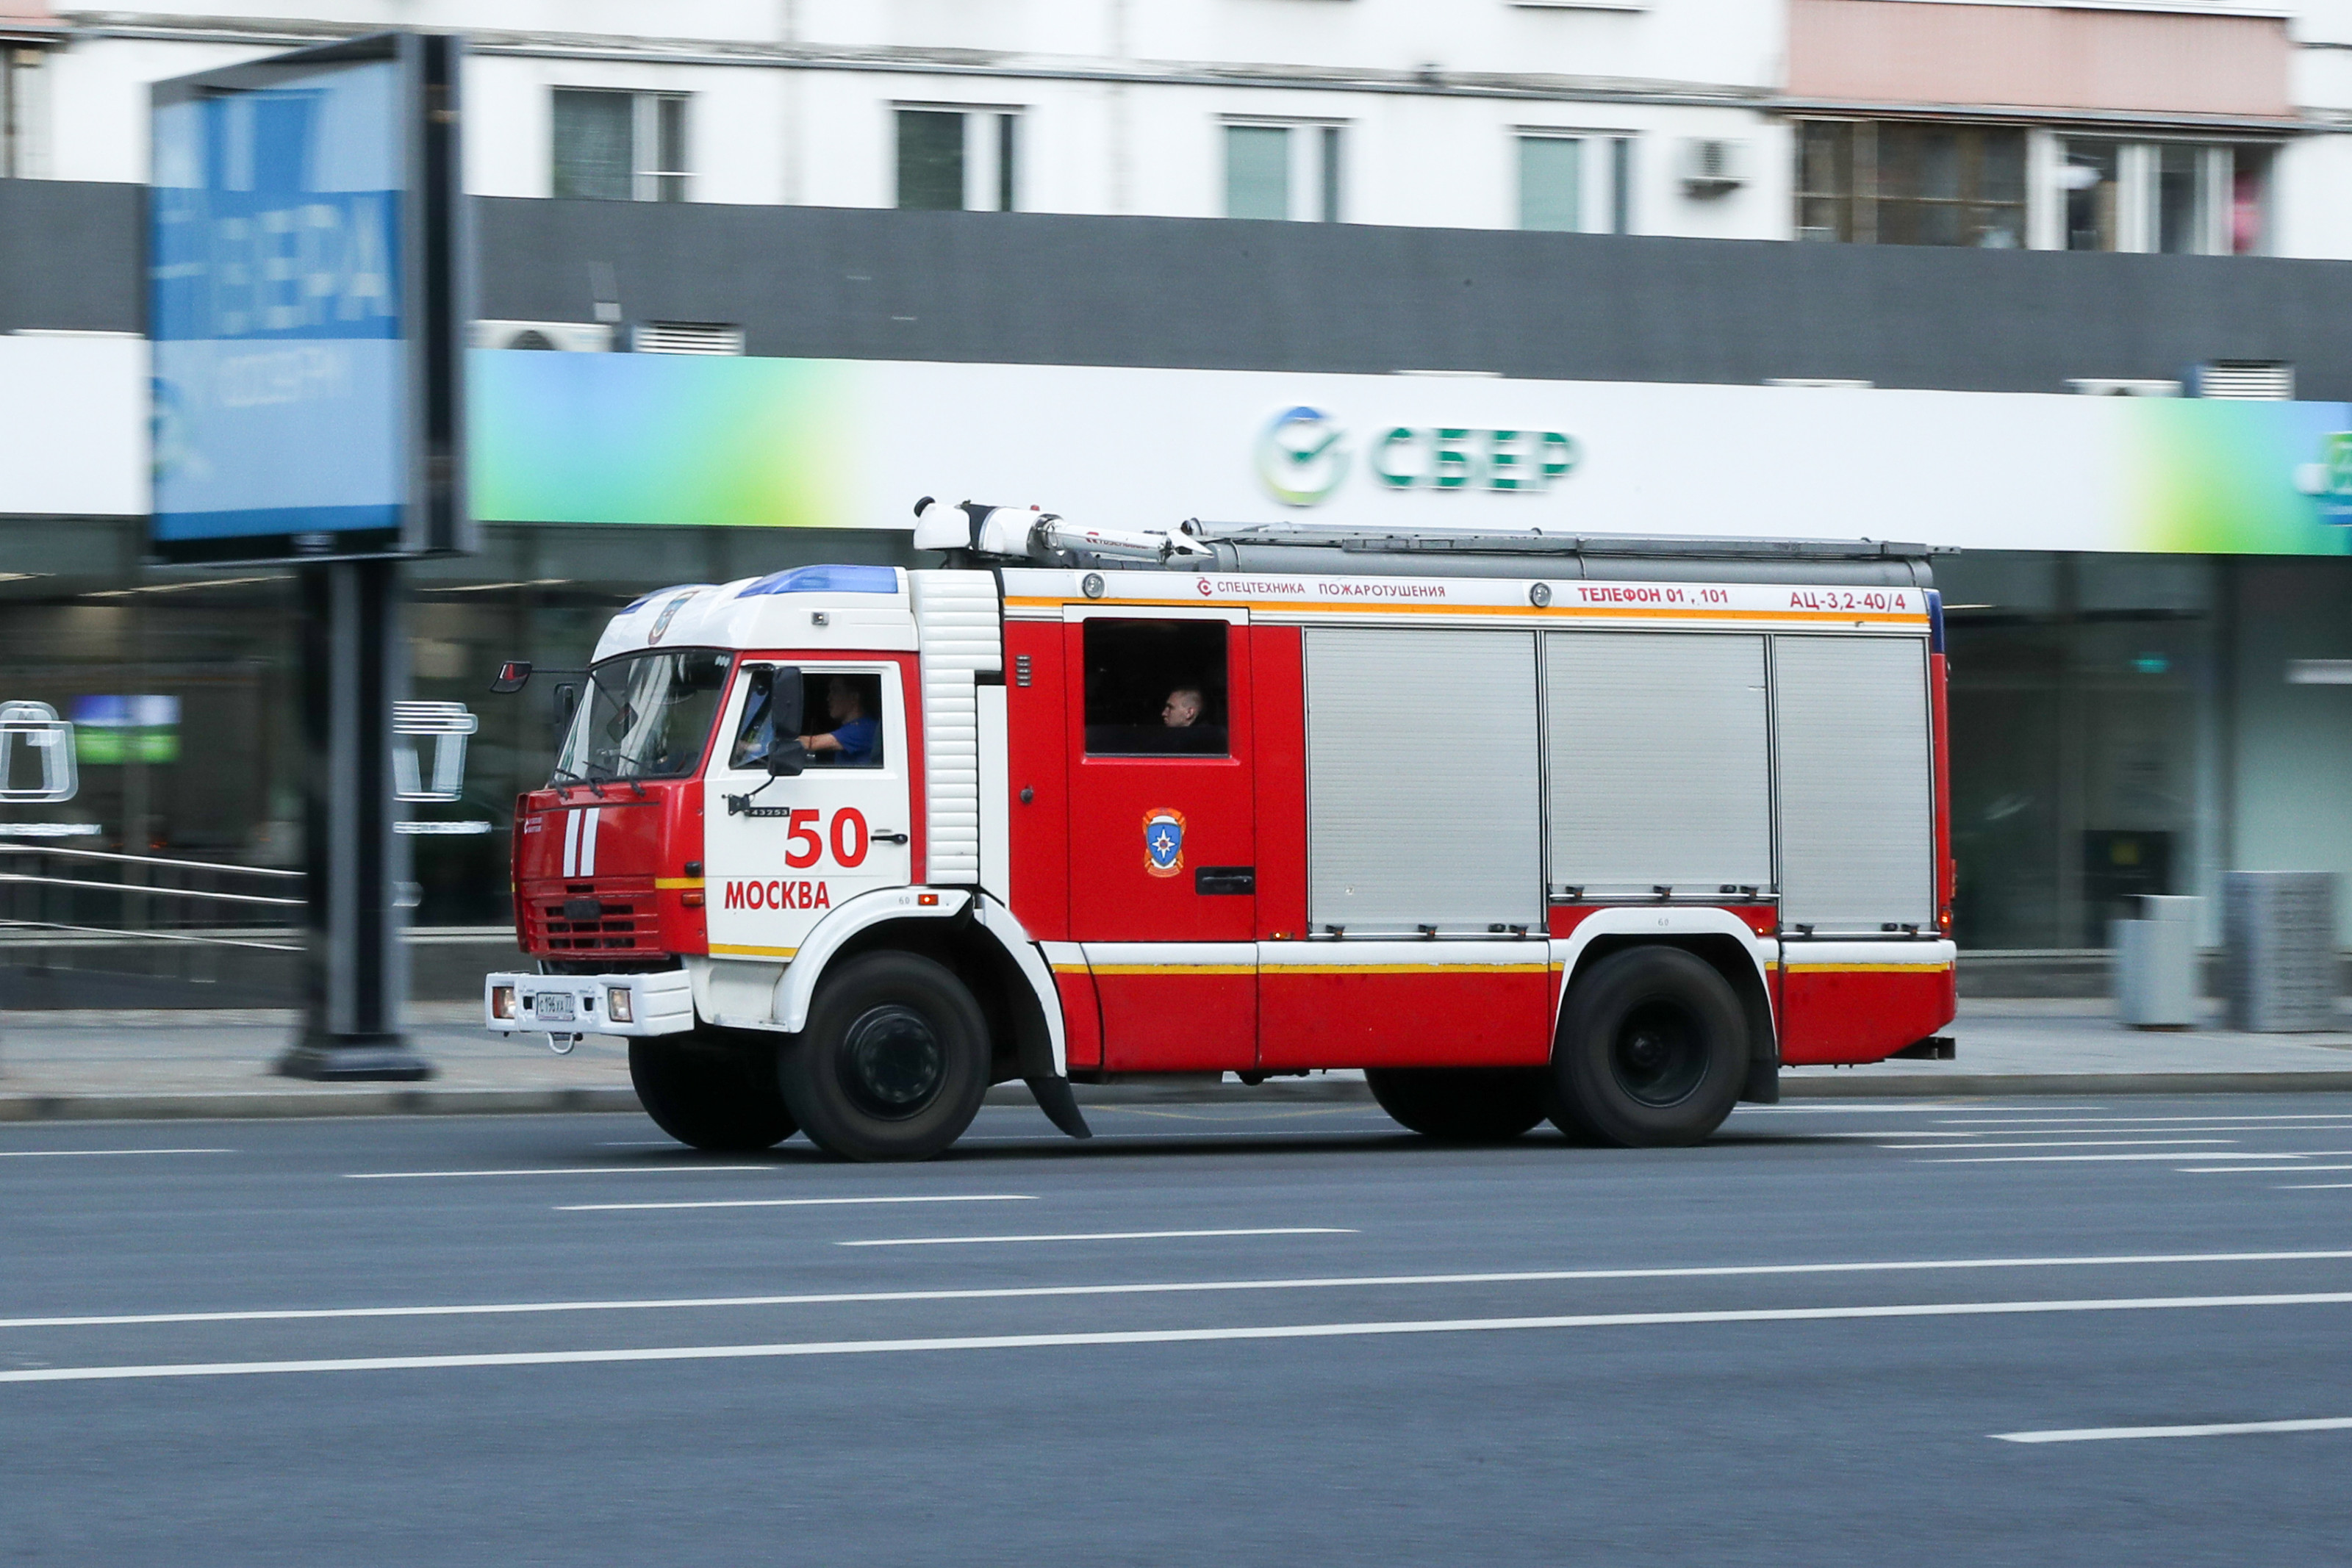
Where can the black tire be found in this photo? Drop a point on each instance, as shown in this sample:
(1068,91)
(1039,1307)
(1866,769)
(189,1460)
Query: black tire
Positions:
(893,1062)
(712,1088)
(1653,1049)
(1461,1104)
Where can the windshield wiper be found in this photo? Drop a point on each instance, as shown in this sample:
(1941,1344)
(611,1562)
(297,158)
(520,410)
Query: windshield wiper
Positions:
(578,779)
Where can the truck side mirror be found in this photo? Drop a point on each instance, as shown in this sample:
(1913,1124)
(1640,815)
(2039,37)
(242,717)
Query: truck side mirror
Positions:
(784,698)
(512,676)
(786,755)
(567,703)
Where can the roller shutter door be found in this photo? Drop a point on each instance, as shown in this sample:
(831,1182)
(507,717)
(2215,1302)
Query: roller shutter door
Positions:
(1660,762)
(1421,786)
(1856,801)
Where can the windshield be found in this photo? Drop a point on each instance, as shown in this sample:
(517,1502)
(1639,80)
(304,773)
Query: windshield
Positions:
(646,715)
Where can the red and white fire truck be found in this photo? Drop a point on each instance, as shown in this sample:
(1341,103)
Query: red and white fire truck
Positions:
(1600,830)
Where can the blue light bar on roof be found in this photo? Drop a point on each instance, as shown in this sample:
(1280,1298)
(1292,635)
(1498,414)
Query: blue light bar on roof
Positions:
(826,579)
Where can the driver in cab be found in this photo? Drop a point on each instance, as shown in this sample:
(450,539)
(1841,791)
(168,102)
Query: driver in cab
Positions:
(856,736)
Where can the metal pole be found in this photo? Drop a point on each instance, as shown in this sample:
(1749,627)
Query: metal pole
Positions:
(355,967)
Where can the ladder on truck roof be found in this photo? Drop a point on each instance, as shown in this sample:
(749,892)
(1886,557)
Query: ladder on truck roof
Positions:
(1006,534)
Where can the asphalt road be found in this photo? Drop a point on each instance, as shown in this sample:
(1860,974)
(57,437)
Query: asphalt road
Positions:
(1255,1334)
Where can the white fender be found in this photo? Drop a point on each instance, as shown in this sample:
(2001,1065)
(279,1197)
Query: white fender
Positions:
(789,1011)
(1014,938)
(1653,920)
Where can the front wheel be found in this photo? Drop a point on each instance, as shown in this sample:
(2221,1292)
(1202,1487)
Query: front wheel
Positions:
(1653,1049)
(711,1089)
(1461,1104)
(893,1062)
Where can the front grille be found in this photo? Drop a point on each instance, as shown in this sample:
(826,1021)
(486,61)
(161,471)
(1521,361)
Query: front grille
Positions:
(565,924)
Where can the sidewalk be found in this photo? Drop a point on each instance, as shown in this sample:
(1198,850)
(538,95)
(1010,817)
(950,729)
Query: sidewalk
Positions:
(154,1064)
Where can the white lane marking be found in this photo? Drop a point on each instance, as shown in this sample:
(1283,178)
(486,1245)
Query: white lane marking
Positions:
(544,1170)
(2209,1116)
(2061,1131)
(2065,1143)
(2061,1159)
(63,1154)
(1102,1236)
(2257,1170)
(1924,1108)
(1252,1130)
(804,1202)
(2313,1186)
(2209,1429)
(1883,1133)
(1177,1288)
(1167,1336)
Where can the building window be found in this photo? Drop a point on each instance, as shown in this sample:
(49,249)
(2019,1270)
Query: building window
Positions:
(1283,172)
(1895,182)
(953,160)
(2187,198)
(24,112)
(2093,182)
(1571,182)
(620,146)
(1550,191)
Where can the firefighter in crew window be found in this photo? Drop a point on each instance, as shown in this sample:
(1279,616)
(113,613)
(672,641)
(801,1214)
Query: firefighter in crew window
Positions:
(1182,708)
(856,737)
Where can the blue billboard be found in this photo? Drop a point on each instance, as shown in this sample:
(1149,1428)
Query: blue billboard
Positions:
(294,312)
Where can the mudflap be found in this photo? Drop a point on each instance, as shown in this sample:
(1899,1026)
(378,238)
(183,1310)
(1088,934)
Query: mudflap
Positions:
(1061,1106)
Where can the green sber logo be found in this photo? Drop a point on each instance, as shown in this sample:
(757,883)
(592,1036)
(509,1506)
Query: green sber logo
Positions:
(1300,455)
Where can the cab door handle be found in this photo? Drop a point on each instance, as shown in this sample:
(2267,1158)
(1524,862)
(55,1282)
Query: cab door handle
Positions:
(1225,879)
(889,838)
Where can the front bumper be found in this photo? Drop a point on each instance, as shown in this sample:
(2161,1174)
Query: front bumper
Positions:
(661,1002)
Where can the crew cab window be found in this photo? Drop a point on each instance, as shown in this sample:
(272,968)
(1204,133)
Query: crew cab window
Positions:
(1155,688)
(840,716)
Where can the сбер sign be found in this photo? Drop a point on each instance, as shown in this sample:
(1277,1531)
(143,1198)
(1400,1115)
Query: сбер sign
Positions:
(304,274)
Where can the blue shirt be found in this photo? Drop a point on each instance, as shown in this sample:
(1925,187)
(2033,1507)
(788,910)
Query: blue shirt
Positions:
(860,739)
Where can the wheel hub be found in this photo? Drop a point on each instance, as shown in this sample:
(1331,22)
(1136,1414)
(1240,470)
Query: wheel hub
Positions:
(892,1063)
(1659,1054)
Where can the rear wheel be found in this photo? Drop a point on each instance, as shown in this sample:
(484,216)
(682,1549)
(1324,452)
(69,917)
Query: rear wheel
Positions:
(893,1062)
(712,1088)
(1461,1104)
(1653,1050)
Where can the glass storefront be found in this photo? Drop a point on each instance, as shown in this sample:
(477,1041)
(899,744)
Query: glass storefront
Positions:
(2113,716)
(181,688)
(2113,732)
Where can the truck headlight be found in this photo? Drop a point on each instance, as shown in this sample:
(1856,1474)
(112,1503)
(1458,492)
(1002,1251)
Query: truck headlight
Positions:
(617,1005)
(502,1002)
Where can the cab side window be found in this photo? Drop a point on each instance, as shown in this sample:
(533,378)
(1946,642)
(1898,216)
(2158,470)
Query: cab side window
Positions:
(1155,688)
(755,735)
(841,720)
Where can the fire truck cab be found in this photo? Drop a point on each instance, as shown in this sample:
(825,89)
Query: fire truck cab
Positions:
(1599,829)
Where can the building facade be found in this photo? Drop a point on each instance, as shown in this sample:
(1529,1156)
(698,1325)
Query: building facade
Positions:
(2151,606)
(2206,127)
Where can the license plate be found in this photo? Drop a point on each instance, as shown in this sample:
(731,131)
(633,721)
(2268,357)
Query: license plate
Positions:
(554,1007)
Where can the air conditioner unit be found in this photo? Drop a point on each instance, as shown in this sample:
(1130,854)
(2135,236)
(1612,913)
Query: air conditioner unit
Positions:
(2122,386)
(686,337)
(1713,165)
(2267,380)
(571,336)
